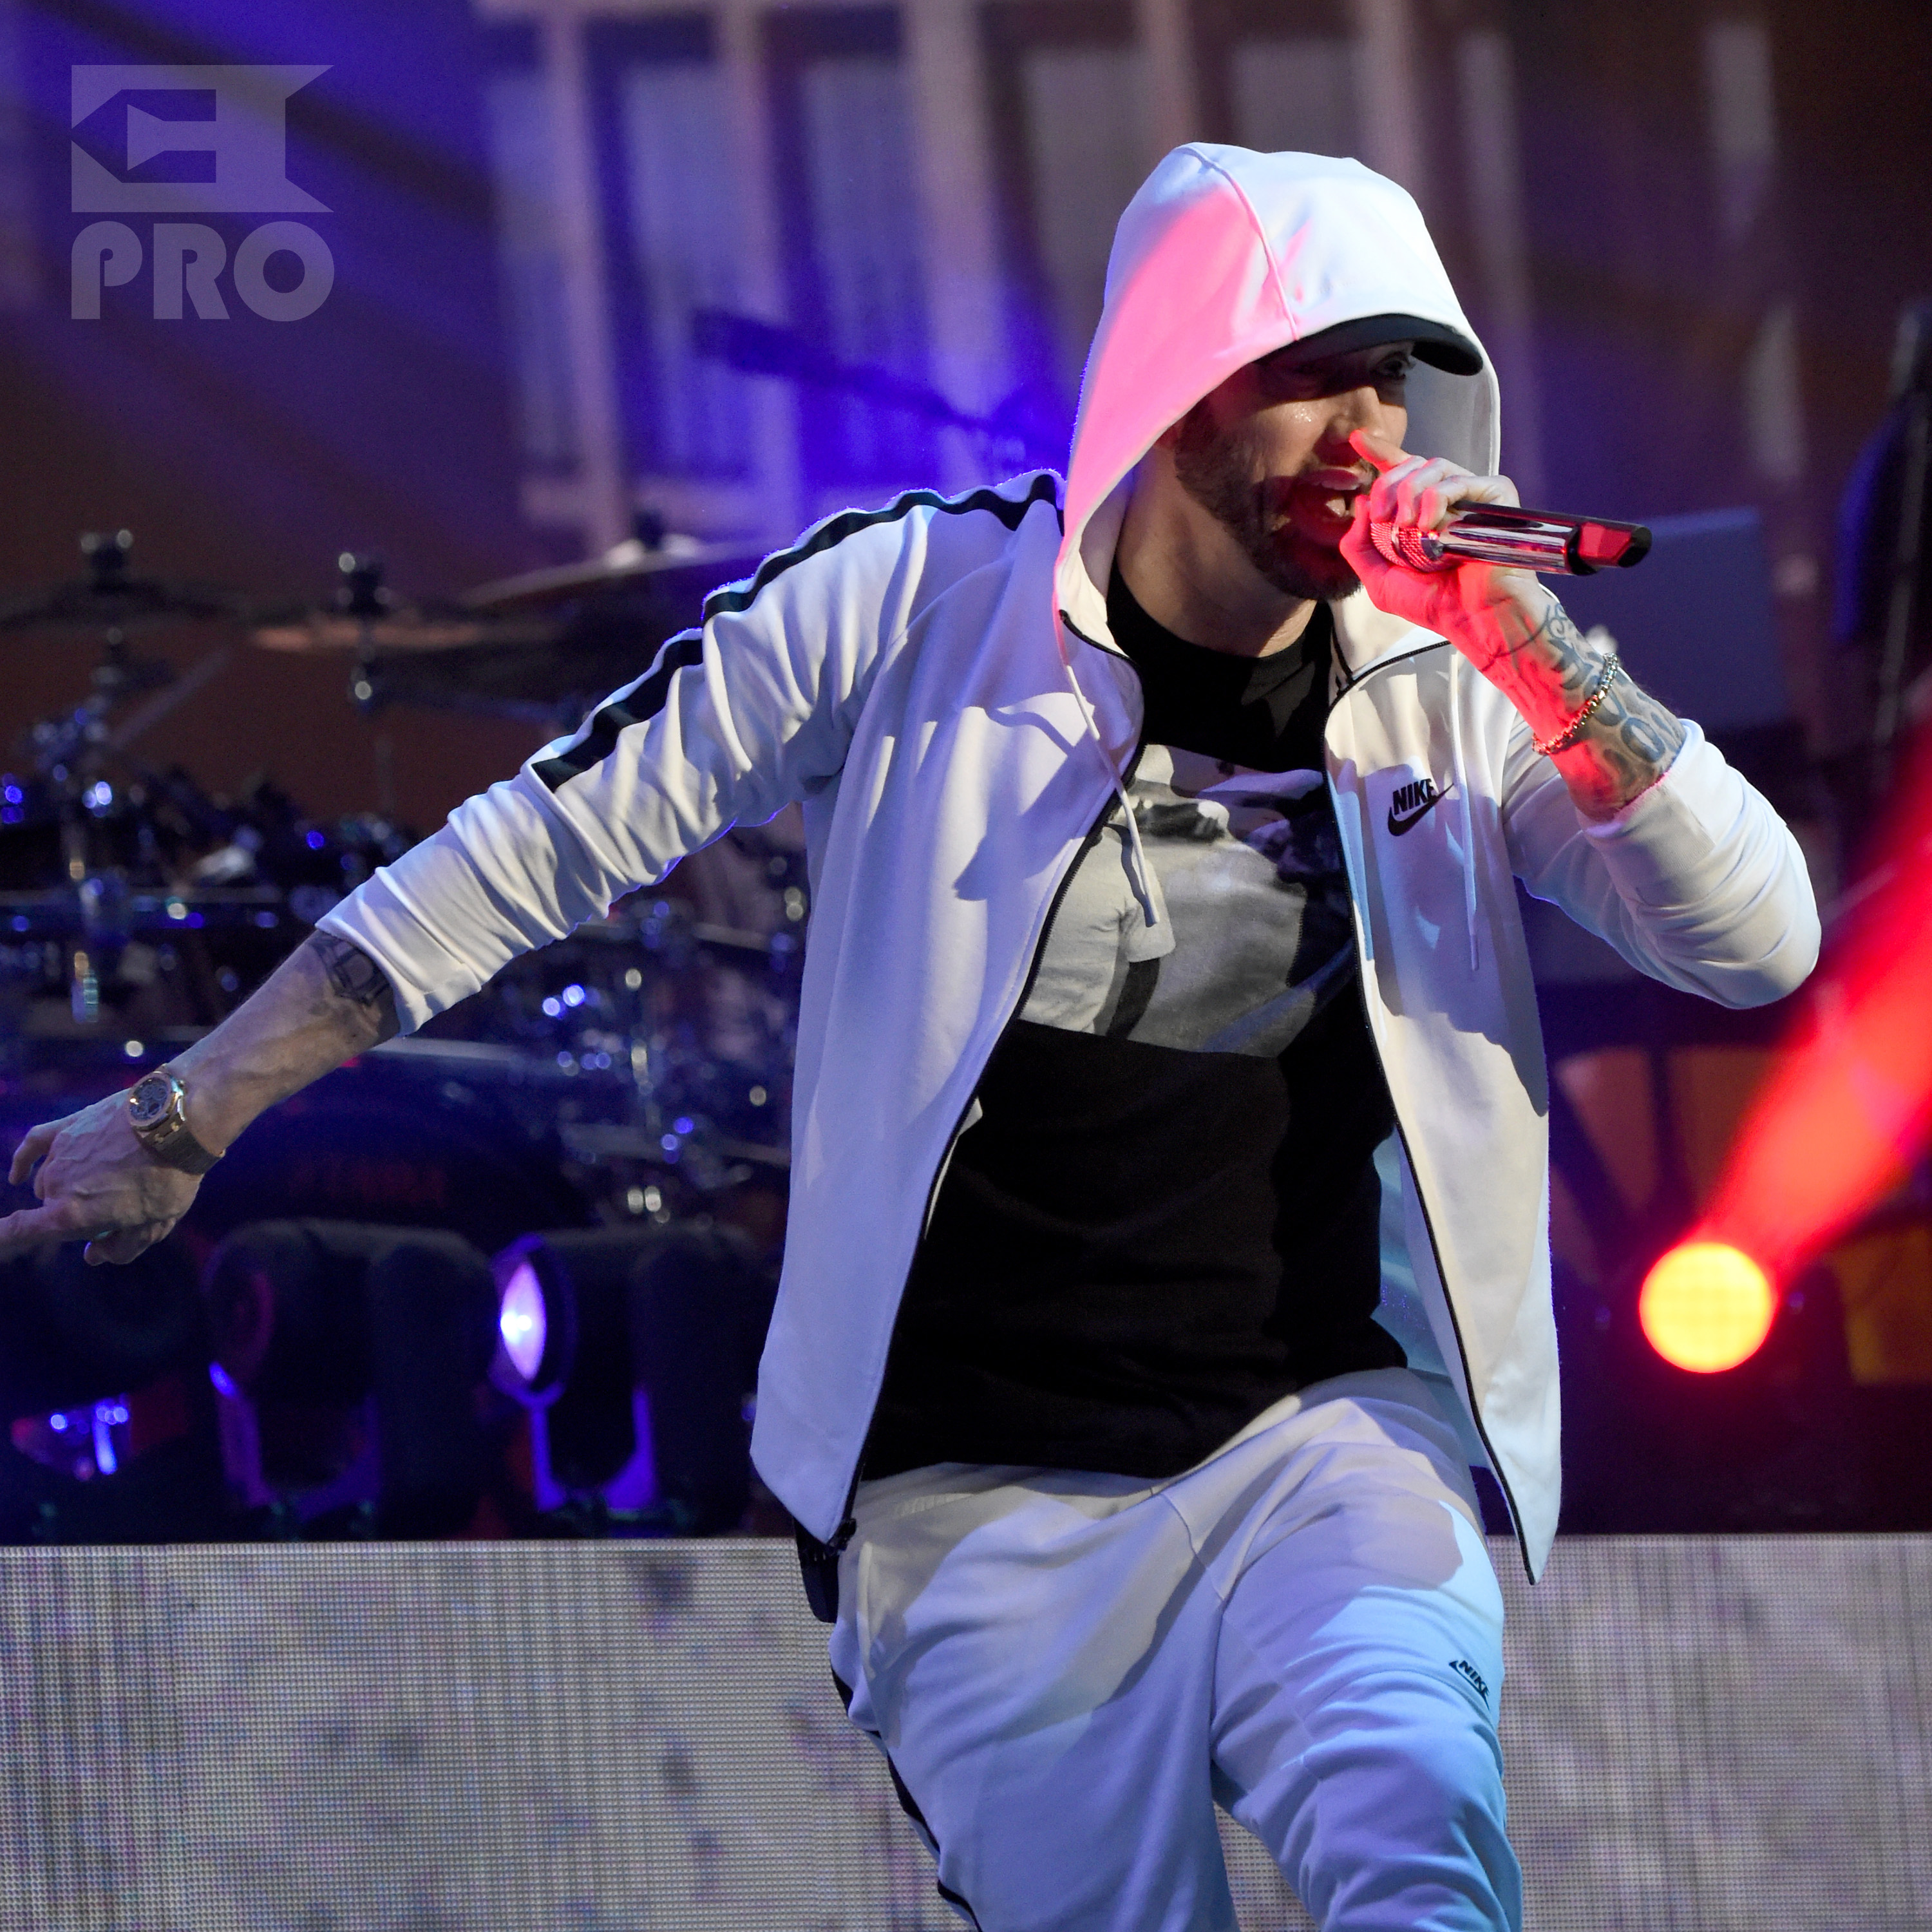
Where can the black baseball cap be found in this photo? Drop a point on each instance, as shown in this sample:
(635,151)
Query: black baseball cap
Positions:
(1435,342)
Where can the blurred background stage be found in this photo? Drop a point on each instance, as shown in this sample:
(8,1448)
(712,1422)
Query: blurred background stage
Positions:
(329,496)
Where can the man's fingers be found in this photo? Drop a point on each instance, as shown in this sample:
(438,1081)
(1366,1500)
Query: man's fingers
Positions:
(17,1232)
(1392,465)
(1422,489)
(1358,547)
(1377,449)
(1487,490)
(124,1245)
(31,1149)
(1421,495)
(32,1226)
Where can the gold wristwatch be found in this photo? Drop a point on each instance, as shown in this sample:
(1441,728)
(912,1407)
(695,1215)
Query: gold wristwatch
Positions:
(155,1111)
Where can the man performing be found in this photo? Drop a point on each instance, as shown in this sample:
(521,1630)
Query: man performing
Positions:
(1168,1229)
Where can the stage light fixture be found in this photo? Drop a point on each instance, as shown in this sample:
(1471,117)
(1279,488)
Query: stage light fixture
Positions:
(633,1347)
(1706,1306)
(522,1321)
(563,1325)
(358,1349)
(540,1314)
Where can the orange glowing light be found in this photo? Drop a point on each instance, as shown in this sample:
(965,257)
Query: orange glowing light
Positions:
(1706,1306)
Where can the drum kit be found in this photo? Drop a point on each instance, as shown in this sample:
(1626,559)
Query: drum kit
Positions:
(640,1068)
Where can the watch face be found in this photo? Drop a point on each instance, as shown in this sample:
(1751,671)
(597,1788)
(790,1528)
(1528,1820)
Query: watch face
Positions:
(148,1103)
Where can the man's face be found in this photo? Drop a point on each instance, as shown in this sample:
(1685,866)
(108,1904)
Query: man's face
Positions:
(1267,455)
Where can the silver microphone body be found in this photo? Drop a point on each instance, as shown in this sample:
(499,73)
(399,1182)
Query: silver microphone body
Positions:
(1545,540)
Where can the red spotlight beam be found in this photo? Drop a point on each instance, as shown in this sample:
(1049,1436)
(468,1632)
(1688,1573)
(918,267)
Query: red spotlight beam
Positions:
(1849,1106)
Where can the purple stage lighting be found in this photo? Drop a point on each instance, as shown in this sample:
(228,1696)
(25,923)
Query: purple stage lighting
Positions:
(536,1322)
(522,1321)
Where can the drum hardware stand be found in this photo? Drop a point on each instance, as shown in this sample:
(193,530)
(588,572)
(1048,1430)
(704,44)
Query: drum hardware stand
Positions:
(70,751)
(362,595)
(71,754)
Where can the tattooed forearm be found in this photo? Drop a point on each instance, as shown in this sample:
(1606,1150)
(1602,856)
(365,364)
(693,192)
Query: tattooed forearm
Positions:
(1626,747)
(326,1001)
(355,998)
(1556,645)
(352,974)
(1630,739)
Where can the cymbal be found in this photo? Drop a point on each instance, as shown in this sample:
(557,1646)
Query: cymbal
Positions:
(80,611)
(629,565)
(549,683)
(110,598)
(327,632)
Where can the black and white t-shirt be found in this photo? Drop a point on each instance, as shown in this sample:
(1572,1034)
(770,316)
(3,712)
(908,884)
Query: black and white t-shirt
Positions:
(1164,1217)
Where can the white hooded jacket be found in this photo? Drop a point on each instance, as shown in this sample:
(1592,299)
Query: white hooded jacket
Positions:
(936,682)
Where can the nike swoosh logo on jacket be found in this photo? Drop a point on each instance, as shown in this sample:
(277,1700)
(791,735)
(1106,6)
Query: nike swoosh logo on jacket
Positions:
(1400,822)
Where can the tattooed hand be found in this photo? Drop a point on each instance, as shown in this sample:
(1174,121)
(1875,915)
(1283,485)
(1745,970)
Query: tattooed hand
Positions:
(1510,627)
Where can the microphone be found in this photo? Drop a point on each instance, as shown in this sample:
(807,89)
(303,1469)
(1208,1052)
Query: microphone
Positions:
(1528,539)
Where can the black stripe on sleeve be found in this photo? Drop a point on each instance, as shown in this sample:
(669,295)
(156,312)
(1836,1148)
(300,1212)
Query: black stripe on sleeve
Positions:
(1011,511)
(646,699)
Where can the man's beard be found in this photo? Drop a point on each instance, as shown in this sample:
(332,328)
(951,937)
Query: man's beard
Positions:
(1218,468)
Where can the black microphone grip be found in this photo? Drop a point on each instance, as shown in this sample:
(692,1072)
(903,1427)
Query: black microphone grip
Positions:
(1545,540)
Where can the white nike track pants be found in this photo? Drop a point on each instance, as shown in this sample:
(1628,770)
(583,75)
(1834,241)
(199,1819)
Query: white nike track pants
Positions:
(1065,1671)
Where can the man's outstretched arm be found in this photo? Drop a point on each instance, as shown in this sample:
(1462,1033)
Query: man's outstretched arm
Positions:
(326,1002)
(729,723)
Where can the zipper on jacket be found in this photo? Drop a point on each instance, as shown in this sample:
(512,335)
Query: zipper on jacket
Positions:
(1462,1353)
(809,1546)
(847,1524)
(1401,1134)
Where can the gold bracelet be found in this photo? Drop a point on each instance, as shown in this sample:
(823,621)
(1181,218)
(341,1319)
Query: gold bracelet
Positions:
(1570,733)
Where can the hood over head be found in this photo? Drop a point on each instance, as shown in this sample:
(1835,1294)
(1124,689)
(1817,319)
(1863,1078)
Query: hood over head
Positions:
(1224,256)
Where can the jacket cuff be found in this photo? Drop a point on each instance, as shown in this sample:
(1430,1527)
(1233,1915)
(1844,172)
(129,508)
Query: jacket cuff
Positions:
(1657,846)
(424,976)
